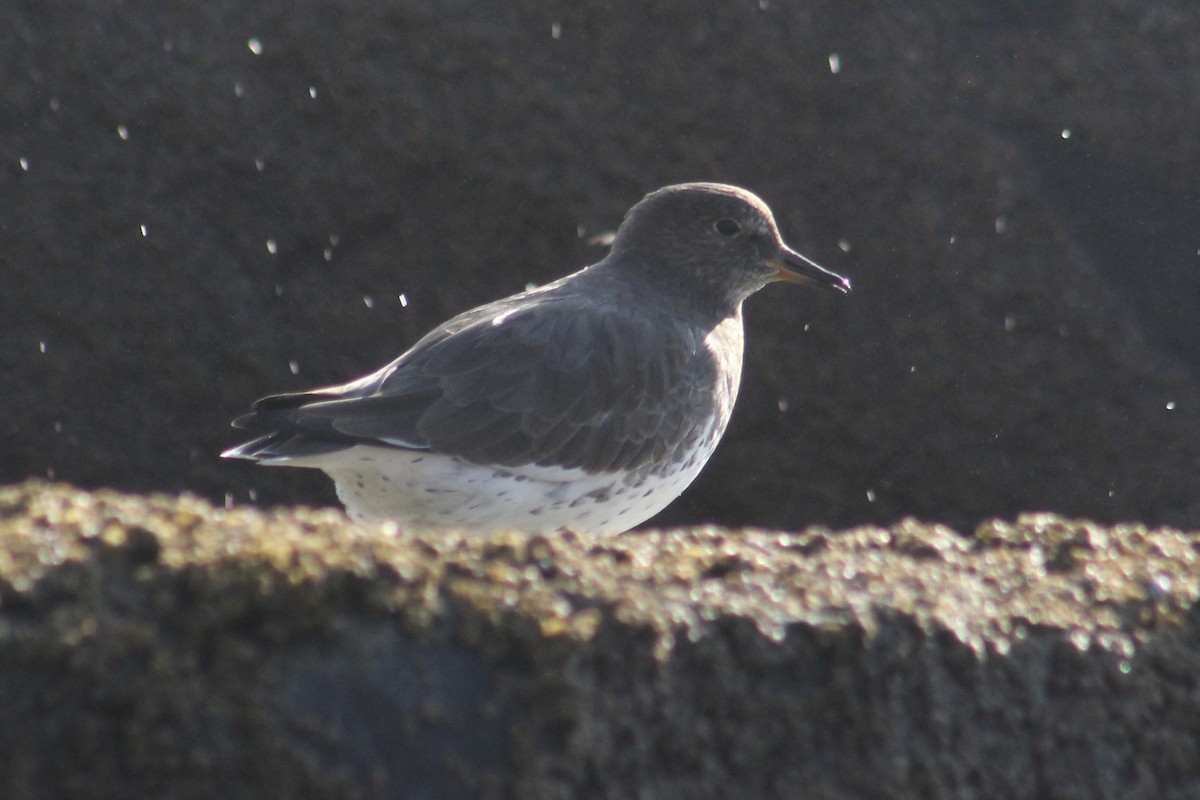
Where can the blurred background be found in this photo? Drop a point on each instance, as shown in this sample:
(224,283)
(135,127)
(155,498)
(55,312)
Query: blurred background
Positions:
(199,207)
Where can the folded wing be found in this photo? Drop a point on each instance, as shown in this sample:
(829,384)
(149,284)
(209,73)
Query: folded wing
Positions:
(571,387)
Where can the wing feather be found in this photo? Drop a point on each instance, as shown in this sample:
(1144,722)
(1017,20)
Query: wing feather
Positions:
(597,389)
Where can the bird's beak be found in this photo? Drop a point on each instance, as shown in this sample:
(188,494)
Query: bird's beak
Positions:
(792,267)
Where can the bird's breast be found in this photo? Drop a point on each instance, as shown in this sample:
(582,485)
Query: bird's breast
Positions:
(724,343)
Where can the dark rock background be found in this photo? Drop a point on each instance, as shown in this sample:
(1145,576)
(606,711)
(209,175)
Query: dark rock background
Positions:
(1012,188)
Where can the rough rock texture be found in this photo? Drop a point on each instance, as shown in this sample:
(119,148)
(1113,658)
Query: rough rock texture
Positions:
(161,647)
(1014,186)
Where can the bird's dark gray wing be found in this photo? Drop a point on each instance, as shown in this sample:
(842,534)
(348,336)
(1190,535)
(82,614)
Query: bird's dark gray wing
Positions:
(554,382)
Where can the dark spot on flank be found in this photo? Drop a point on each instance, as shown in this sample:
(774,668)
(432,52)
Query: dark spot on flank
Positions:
(601,495)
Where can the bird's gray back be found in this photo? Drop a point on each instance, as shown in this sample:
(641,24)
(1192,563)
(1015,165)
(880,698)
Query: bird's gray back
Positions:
(551,377)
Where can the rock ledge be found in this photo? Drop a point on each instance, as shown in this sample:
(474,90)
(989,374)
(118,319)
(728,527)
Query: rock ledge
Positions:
(159,646)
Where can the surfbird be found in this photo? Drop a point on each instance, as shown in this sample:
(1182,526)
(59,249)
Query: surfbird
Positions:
(588,404)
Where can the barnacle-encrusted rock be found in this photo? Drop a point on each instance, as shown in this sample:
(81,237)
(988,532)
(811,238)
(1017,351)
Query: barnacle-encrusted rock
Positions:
(158,646)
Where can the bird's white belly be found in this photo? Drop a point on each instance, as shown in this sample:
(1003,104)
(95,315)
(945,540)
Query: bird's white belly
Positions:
(423,489)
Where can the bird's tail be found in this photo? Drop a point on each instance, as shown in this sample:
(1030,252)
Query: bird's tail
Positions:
(284,449)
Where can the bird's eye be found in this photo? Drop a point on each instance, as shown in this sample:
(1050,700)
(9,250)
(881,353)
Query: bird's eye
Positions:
(727,227)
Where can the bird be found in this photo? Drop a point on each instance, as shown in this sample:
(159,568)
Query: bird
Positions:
(587,404)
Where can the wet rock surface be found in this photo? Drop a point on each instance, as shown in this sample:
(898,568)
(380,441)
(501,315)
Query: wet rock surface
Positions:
(160,647)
